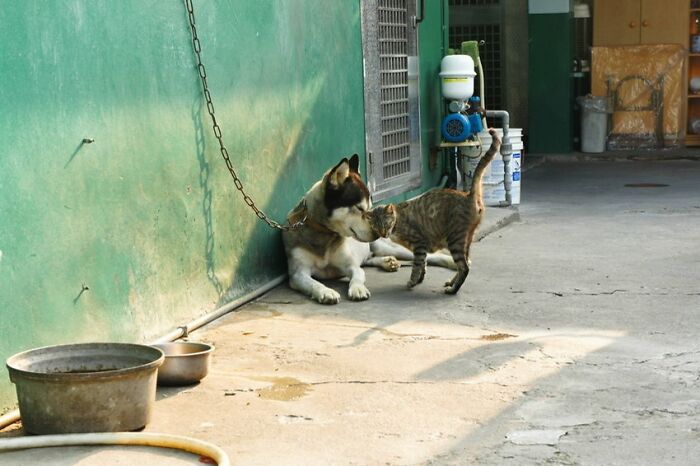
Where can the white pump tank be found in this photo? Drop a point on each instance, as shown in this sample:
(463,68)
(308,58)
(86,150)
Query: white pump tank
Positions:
(457,77)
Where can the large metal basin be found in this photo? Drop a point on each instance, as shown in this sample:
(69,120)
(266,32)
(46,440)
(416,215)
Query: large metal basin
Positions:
(86,387)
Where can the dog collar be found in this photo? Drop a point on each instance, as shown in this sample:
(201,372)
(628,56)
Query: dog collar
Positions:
(300,212)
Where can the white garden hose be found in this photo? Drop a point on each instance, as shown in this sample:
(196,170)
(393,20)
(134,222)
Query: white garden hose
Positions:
(9,418)
(198,447)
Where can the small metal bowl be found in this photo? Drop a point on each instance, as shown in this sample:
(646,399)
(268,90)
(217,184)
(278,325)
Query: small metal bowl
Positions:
(186,362)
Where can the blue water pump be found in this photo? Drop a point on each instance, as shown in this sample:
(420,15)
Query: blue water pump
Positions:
(458,127)
(457,84)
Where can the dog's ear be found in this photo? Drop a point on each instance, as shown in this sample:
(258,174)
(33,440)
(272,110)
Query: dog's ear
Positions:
(339,173)
(355,163)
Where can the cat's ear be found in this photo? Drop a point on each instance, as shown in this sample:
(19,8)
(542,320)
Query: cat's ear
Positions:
(390,209)
(339,173)
(355,163)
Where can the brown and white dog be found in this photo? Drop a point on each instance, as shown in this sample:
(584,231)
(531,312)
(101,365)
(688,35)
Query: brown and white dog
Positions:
(333,242)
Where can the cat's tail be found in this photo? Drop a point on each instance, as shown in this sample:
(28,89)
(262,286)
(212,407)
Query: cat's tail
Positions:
(484,162)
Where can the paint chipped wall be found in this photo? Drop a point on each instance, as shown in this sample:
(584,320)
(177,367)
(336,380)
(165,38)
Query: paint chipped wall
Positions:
(142,230)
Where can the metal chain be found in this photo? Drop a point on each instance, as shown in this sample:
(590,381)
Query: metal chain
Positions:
(217,130)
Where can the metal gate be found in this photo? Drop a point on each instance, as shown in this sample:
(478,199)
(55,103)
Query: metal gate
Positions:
(392,111)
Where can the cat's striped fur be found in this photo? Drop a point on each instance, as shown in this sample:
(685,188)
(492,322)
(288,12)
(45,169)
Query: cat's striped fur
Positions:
(442,218)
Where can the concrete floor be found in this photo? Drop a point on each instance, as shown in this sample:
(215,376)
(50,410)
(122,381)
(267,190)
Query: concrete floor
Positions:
(574,341)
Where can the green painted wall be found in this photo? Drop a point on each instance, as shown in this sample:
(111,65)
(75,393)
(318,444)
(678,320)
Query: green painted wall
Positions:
(147,217)
(550,107)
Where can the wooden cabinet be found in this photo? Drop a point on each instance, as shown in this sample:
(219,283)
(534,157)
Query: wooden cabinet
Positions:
(634,22)
(693,138)
(616,22)
(652,22)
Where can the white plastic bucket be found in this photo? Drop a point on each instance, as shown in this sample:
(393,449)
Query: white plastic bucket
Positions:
(493,188)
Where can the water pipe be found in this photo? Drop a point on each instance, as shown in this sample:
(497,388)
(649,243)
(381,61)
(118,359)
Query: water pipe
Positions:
(506,153)
(186,329)
(482,86)
(506,146)
(197,447)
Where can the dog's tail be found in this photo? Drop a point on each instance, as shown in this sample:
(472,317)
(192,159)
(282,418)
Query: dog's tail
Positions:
(484,162)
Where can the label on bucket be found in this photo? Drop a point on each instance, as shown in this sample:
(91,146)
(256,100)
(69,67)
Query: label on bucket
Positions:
(515,164)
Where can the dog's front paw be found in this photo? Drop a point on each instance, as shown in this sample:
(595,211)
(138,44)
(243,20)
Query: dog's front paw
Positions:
(326,296)
(390,264)
(358,292)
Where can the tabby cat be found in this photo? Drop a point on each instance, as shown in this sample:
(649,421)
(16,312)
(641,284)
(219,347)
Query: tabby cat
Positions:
(442,218)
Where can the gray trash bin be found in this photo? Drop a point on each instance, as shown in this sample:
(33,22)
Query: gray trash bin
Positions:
(594,123)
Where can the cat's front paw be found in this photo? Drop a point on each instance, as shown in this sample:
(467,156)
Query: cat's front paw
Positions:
(451,289)
(358,292)
(414,281)
(417,276)
(390,264)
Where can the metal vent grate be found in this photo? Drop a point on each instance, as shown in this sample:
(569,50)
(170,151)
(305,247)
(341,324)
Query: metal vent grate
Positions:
(490,55)
(392,107)
(393,70)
